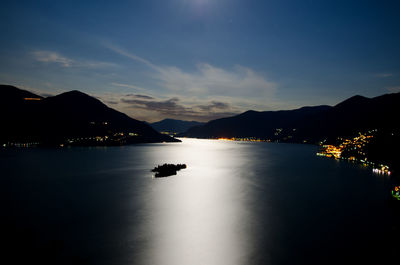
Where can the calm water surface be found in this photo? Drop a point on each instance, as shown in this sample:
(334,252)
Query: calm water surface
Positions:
(236,203)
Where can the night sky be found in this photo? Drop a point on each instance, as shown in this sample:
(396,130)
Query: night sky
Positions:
(202,59)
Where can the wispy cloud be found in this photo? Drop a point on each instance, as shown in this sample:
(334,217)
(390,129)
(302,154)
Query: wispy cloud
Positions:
(51,57)
(141,96)
(393,89)
(166,106)
(384,75)
(128,86)
(214,105)
(132,56)
(211,80)
(175,108)
(207,79)
(110,102)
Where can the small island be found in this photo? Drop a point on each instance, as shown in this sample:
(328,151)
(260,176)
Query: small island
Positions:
(167,170)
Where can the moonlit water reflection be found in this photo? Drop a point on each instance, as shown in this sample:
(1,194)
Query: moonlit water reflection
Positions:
(200,215)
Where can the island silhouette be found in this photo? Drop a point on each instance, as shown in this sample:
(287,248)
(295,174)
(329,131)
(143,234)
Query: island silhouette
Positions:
(167,170)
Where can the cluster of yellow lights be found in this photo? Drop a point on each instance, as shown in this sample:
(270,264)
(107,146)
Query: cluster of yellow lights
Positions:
(168,133)
(16,144)
(115,137)
(331,151)
(356,144)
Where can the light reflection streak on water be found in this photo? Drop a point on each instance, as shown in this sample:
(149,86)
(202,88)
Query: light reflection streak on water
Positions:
(199,216)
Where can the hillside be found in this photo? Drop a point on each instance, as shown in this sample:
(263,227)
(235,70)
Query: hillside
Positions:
(174,126)
(69,118)
(307,124)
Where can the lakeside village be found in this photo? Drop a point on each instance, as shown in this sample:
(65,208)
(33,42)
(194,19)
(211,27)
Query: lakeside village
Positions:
(353,150)
(279,136)
(350,149)
(119,138)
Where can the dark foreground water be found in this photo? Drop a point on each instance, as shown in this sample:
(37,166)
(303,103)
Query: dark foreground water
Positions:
(236,203)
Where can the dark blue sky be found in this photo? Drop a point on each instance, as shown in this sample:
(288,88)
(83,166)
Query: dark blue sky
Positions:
(202,59)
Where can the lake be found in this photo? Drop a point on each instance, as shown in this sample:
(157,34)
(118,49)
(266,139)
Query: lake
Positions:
(236,203)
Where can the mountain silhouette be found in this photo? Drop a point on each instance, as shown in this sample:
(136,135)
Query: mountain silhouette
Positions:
(307,124)
(31,118)
(174,126)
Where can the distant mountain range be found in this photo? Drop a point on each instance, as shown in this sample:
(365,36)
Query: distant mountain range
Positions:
(307,124)
(71,118)
(324,125)
(174,126)
(74,118)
